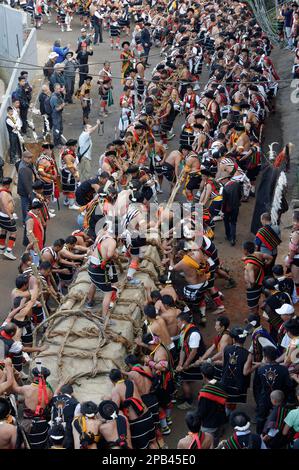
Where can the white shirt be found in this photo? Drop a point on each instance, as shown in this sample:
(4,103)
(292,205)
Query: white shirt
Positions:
(194,340)
(16,347)
(85,142)
(285,342)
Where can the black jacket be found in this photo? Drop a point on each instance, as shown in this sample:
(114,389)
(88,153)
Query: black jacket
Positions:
(26,176)
(232,194)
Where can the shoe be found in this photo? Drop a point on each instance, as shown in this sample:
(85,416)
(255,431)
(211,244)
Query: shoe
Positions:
(165,431)
(170,136)
(74,207)
(185,406)
(169,421)
(52,215)
(66,202)
(233,242)
(52,211)
(2,250)
(9,255)
(217,218)
(89,305)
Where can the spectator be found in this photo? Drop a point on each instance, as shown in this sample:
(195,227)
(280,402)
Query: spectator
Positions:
(57,105)
(83,41)
(287,13)
(57,77)
(82,58)
(14,127)
(21,95)
(45,108)
(85,148)
(145,39)
(26,176)
(49,65)
(70,67)
(60,51)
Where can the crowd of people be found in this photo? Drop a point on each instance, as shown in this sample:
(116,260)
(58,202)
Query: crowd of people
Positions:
(214,167)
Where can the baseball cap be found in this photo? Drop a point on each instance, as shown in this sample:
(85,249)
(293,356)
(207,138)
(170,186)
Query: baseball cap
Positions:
(285,309)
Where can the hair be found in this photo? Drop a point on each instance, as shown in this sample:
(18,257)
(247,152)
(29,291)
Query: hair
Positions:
(224,321)
(278,396)
(131,360)
(59,242)
(10,329)
(147,338)
(193,421)
(67,389)
(150,311)
(21,78)
(56,430)
(255,318)
(207,370)
(277,270)
(266,216)
(155,295)
(184,316)
(269,352)
(292,326)
(115,375)
(239,418)
(249,246)
(296,216)
(88,407)
(21,281)
(167,300)
(9,108)
(45,265)
(71,240)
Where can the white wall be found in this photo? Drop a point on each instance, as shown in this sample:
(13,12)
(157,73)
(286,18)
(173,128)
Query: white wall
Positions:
(29,56)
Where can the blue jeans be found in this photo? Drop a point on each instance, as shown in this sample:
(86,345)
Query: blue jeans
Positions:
(25,200)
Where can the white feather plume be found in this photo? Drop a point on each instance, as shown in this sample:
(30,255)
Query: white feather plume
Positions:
(276,204)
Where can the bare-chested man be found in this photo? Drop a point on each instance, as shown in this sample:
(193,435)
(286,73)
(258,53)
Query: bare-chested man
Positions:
(171,164)
(37,397)
(193,176)
(102,270)
(254,274)
(160,363)
(169,314)
(86,427)
(7,221)
(8,431)
(127,397)
(195,267)
(156,326)
(195,439)
(115,429)
(143,377)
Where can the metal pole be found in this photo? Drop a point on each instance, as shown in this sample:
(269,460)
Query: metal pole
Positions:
(18,46)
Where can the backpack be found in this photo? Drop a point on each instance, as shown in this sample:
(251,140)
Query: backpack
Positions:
(47,105)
